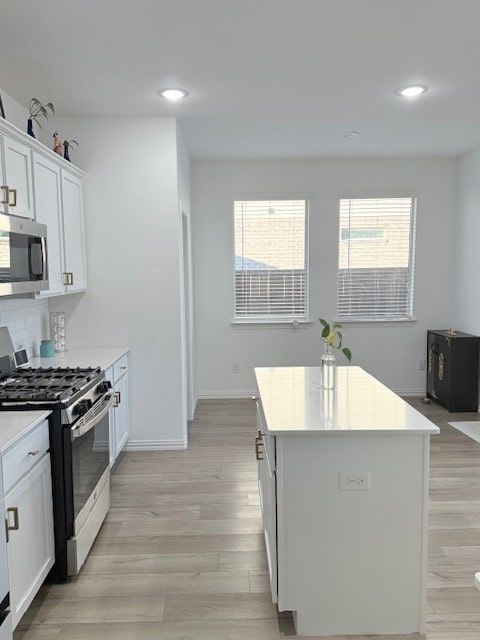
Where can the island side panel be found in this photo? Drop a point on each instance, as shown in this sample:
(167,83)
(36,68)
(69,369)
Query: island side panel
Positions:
(352,562)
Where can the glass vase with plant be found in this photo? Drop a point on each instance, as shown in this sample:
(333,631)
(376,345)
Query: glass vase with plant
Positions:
(38,110)
(332,337)
(67,144)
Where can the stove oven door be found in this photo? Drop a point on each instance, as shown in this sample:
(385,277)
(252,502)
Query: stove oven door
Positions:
(90,479)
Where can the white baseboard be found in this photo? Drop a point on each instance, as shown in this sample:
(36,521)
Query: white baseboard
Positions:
(420,393)
(235,395)
(155,445)
(227,395)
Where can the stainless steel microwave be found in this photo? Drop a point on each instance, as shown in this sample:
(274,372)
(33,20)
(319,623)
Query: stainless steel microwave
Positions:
(23,256)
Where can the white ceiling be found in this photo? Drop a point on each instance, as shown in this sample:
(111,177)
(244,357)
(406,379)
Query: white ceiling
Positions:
(267,78)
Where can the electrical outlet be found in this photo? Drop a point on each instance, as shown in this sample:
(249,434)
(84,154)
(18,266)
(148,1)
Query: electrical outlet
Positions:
(236,367)
(354,480)
(421,365)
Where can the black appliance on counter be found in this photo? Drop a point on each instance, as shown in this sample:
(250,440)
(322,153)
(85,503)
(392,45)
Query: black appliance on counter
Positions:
(452,369)
(80,400)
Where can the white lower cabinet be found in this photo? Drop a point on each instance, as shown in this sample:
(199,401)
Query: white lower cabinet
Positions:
(345,562)
(6,628)
(265,452)
(5,616)
(117,375)
(31,554)
(121,414)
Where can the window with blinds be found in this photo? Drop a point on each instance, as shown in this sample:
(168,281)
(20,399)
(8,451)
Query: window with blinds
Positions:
(270,259)
(376,258)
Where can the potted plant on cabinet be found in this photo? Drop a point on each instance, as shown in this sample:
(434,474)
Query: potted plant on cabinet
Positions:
(37,110)
(66,145)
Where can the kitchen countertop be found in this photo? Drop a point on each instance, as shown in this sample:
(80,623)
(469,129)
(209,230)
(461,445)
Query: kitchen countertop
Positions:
(102,357)
(15,424)
(294,402)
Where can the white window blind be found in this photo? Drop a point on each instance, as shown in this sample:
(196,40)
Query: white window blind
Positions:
(270,259)
(376,258)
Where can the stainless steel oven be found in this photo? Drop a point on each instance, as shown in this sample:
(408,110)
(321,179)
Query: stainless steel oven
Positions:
(23,256)
(79,400)
(86,446)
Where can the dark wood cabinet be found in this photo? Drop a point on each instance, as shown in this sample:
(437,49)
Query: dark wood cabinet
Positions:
(452,370)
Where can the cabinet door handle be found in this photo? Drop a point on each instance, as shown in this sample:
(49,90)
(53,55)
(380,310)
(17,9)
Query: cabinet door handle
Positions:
(123,368)
(118,398)
(71,277)
(65,278)
(5,194)
(15,526)
(14,203)
(33,453)
(68,275)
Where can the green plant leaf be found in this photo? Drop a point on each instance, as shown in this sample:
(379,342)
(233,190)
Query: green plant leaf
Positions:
(36,108)
(337,325)
(323,322)
(347,353)
(326,331)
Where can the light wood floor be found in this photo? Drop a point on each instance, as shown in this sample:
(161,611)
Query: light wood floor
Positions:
(181,556)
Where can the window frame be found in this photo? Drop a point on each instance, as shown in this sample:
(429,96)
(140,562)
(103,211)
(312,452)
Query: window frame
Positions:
(409,320)
(279,321)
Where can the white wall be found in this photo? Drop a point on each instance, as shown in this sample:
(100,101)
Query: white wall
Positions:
(388,352)
(15,112)
(184,199)
(27,321)
(132,238)
(184,170)
(467,281)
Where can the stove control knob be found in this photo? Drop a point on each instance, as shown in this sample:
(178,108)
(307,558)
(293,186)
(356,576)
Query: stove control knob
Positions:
(82,407)
(103,387)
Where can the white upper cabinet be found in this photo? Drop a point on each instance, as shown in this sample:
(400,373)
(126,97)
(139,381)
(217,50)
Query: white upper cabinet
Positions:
(73,232)
(48,210)
(18,177)
(39,184)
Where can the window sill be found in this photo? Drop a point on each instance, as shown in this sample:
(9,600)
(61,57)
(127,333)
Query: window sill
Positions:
(266,324)
(406,322)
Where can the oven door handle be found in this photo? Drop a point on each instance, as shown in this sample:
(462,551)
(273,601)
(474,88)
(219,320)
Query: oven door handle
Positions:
(93,416)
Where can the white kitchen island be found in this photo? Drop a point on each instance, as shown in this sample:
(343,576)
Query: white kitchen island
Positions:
(343,479)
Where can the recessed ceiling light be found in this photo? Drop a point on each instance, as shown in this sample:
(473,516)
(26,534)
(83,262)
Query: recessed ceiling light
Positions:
(411,91)
(173,94)
(350,134)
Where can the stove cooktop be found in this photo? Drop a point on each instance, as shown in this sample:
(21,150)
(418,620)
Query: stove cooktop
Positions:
(46,384)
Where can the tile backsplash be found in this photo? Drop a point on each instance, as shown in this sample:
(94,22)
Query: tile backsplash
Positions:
(27,320)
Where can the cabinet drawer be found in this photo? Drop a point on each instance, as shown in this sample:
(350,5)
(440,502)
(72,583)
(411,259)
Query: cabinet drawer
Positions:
(120,367)
(22,456)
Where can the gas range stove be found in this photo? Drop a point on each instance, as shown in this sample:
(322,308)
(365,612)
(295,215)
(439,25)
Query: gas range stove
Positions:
(46,384)
(80,402)
(74,391)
